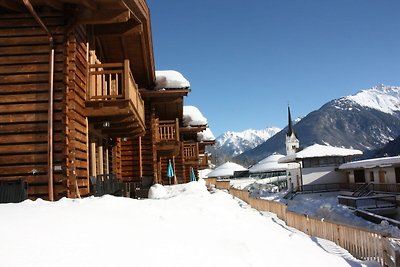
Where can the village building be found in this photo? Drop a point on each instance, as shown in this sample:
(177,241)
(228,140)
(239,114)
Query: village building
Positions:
(383,172)
(316,164)
(226,170)
(270,170)
(81,103)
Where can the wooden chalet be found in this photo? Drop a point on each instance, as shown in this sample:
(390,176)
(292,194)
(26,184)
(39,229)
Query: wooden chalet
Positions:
(78,101)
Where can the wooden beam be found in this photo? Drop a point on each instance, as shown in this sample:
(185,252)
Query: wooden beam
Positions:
(101,159)
(52,4)
(104,16)
(93,158)
(163,93)
(129,27)
(13,5)
(193,129)
(90,4)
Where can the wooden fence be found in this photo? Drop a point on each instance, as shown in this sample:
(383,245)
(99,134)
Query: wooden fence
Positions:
(223,184)
(361,243)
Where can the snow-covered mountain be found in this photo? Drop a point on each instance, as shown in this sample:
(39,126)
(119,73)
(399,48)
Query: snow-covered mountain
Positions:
(366,121)
(381,97)
(231,144)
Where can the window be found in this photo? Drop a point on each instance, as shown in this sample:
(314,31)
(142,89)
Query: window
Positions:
(397,174)
(371,176)
(359,176)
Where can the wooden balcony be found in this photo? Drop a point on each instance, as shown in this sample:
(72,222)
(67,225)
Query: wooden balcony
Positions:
(113,101)
(191,153)
(166,137)
(203,162)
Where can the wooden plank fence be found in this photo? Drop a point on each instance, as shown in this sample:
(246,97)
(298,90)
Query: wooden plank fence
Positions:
(223,184)
(361,243)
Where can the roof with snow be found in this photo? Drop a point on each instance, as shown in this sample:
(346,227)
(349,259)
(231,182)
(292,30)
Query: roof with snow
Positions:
(193,117)
(170,79)
(371,163)
(227,169)
(205,135)
(268,164)
(319,151)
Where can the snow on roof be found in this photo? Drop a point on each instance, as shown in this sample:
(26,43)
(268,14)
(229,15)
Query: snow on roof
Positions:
(205,135)
(193,117)
(371,163)
(204,173)
(270,163)
(170,79)
(227,169)
(318,151)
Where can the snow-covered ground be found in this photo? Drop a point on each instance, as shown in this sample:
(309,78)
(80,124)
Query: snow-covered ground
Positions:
(325,205)
(183,225)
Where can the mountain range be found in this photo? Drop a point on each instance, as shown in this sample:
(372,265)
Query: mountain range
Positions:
(367,120)
(231,144)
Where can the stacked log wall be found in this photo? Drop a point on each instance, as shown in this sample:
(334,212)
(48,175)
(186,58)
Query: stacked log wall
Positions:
(137,154)
(130,160)
(24,87)
(148,148)
(117,158)
(76,124)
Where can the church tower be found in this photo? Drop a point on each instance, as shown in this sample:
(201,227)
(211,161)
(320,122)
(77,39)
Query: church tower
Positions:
(292,143)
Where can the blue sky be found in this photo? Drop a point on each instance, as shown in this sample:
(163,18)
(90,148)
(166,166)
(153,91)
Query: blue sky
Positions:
(247,60)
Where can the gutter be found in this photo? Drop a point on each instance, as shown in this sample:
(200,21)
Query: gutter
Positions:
(50,151)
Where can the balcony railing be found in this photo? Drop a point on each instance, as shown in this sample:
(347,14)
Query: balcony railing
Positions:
(113,84)
(203,161)
(191,151)
(167,130)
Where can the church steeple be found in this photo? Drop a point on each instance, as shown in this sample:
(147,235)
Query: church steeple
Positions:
(290,126)
(292,143)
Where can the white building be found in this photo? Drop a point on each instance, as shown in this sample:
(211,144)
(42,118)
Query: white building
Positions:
(316,164)
(226,170)
(380,170)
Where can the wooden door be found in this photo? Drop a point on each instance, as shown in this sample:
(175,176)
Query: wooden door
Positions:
(381,176)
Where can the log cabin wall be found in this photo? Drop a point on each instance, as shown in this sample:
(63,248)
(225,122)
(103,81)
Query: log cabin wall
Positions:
(116,158)
(149,153)
(76,124)
(181,169)
(137,154)
(131,160)
(24,85)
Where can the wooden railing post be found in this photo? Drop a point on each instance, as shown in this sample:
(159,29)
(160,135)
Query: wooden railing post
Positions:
(126,77)
(177,129)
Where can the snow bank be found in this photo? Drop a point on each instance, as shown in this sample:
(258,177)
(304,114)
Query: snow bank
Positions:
(170,79)
(193,117)
(191,229)
(158,191)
